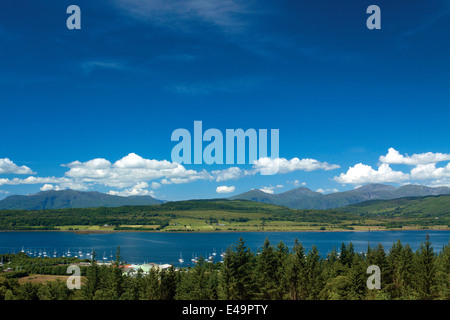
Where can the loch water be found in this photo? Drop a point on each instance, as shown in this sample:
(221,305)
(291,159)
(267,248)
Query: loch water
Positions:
(158,247)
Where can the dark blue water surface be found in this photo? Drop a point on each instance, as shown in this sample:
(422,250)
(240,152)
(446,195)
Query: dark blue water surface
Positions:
(137,247)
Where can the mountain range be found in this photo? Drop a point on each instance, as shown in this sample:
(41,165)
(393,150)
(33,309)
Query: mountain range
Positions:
(72,199)
(299,198)
(304,198)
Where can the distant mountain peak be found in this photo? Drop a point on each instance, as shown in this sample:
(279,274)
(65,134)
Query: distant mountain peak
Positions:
(304,198)
(376,187)
(68,198)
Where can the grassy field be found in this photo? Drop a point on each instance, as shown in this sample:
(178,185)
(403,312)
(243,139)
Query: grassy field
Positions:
(43,278)
(225,215)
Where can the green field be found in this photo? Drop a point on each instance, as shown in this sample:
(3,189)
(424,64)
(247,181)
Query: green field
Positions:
(236,215)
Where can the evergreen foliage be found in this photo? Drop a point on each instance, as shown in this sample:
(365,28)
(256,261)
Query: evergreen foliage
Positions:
(274,273)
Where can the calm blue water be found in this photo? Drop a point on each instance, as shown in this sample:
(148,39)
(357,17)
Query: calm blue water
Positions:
(166,247)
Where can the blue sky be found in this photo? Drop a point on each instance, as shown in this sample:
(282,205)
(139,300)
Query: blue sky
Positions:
(94,109)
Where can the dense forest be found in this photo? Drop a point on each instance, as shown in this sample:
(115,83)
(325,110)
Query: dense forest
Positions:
(273,272)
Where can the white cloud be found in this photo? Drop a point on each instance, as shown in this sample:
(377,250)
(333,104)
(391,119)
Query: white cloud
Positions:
(156,185)
(227,174)
(126,175)
(327,190)
(430,172)
(363,174)
(424,170)
(394,157)
(271,189)
(131,168)
(296,183)
(33,180)
(225,189)
(268,166)
(139,189)
(9,167)
(47,187)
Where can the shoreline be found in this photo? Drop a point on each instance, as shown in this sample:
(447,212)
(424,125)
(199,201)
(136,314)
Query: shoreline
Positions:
(219,231)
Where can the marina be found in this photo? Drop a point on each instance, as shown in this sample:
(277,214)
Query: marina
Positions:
(181,249)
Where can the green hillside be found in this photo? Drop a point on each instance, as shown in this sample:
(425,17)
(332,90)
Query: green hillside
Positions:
(423,207)
(236,215)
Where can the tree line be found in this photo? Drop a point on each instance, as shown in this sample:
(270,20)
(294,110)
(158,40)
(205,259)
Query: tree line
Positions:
(272,273)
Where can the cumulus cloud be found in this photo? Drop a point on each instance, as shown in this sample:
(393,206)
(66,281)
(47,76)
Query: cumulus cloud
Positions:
(225,189)
(425,170)
(131,168)
(9,167)
(269,166)
(33,180)
(139,189)
(363,174)
(128,175)
(394,157)
(296,183)
(271,189)
(47,187)
(430,172)
(228,174)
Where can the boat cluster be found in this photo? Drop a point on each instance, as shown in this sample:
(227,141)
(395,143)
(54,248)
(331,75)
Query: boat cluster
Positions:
(65,253)
(208,258)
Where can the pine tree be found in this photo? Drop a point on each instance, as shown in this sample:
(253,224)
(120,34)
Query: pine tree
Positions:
(196,284)
(314,275)
(296,272)
(150,286)
(267,271)
(357,277)
(282,254)
(425,271)
(168,284)
(92,279)
(116,286)
(443,272)
(238,276)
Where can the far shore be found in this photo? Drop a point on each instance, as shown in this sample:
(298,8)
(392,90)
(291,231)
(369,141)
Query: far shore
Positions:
(228,231)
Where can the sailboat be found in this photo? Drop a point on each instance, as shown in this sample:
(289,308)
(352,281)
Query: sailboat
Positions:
(181,260)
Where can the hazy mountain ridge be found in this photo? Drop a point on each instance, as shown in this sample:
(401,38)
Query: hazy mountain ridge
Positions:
(72,199)
(304,198)
(299,198)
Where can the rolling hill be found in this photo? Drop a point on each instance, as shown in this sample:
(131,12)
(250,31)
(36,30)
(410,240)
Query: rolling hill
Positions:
(412,213)
(72,199)
(304,198)
(423,207)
